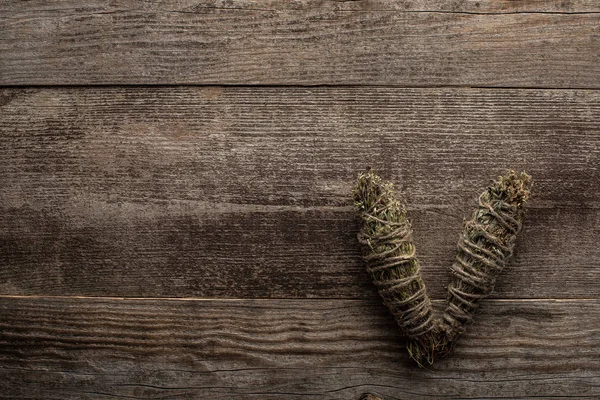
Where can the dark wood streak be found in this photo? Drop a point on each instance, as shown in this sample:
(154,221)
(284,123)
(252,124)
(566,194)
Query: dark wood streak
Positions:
(245,192)
(467,43)
(336,349)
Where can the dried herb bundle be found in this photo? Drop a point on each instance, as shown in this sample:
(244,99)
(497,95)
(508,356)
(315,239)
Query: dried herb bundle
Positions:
(486,242)
(484,246)
(388,249)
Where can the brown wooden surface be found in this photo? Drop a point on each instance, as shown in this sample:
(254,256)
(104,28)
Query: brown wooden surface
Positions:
(487,43)
(160,240)
(246,192)
(292,349)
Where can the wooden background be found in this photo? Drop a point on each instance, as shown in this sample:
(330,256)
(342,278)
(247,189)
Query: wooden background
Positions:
(175,212)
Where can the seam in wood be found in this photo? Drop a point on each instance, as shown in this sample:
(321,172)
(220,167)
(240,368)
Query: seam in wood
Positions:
(291,299)
(287,86)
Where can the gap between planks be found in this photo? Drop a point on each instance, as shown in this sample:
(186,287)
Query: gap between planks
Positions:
(282,86)
(232,299)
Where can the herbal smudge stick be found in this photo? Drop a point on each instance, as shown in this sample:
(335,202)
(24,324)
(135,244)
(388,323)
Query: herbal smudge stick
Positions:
(388,249)
(485,244)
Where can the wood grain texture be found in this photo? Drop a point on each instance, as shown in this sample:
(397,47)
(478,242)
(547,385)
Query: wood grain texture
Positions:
(483,43)
(245,192)
(98,348)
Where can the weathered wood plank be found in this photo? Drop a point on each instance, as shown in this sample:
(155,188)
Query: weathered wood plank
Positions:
(98,348)
(161,250)
(248,42)
(183,253)
(239,192)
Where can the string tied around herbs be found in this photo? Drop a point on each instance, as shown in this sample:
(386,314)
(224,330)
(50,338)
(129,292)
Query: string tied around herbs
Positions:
(485,244)
(390,255)
(413,311)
